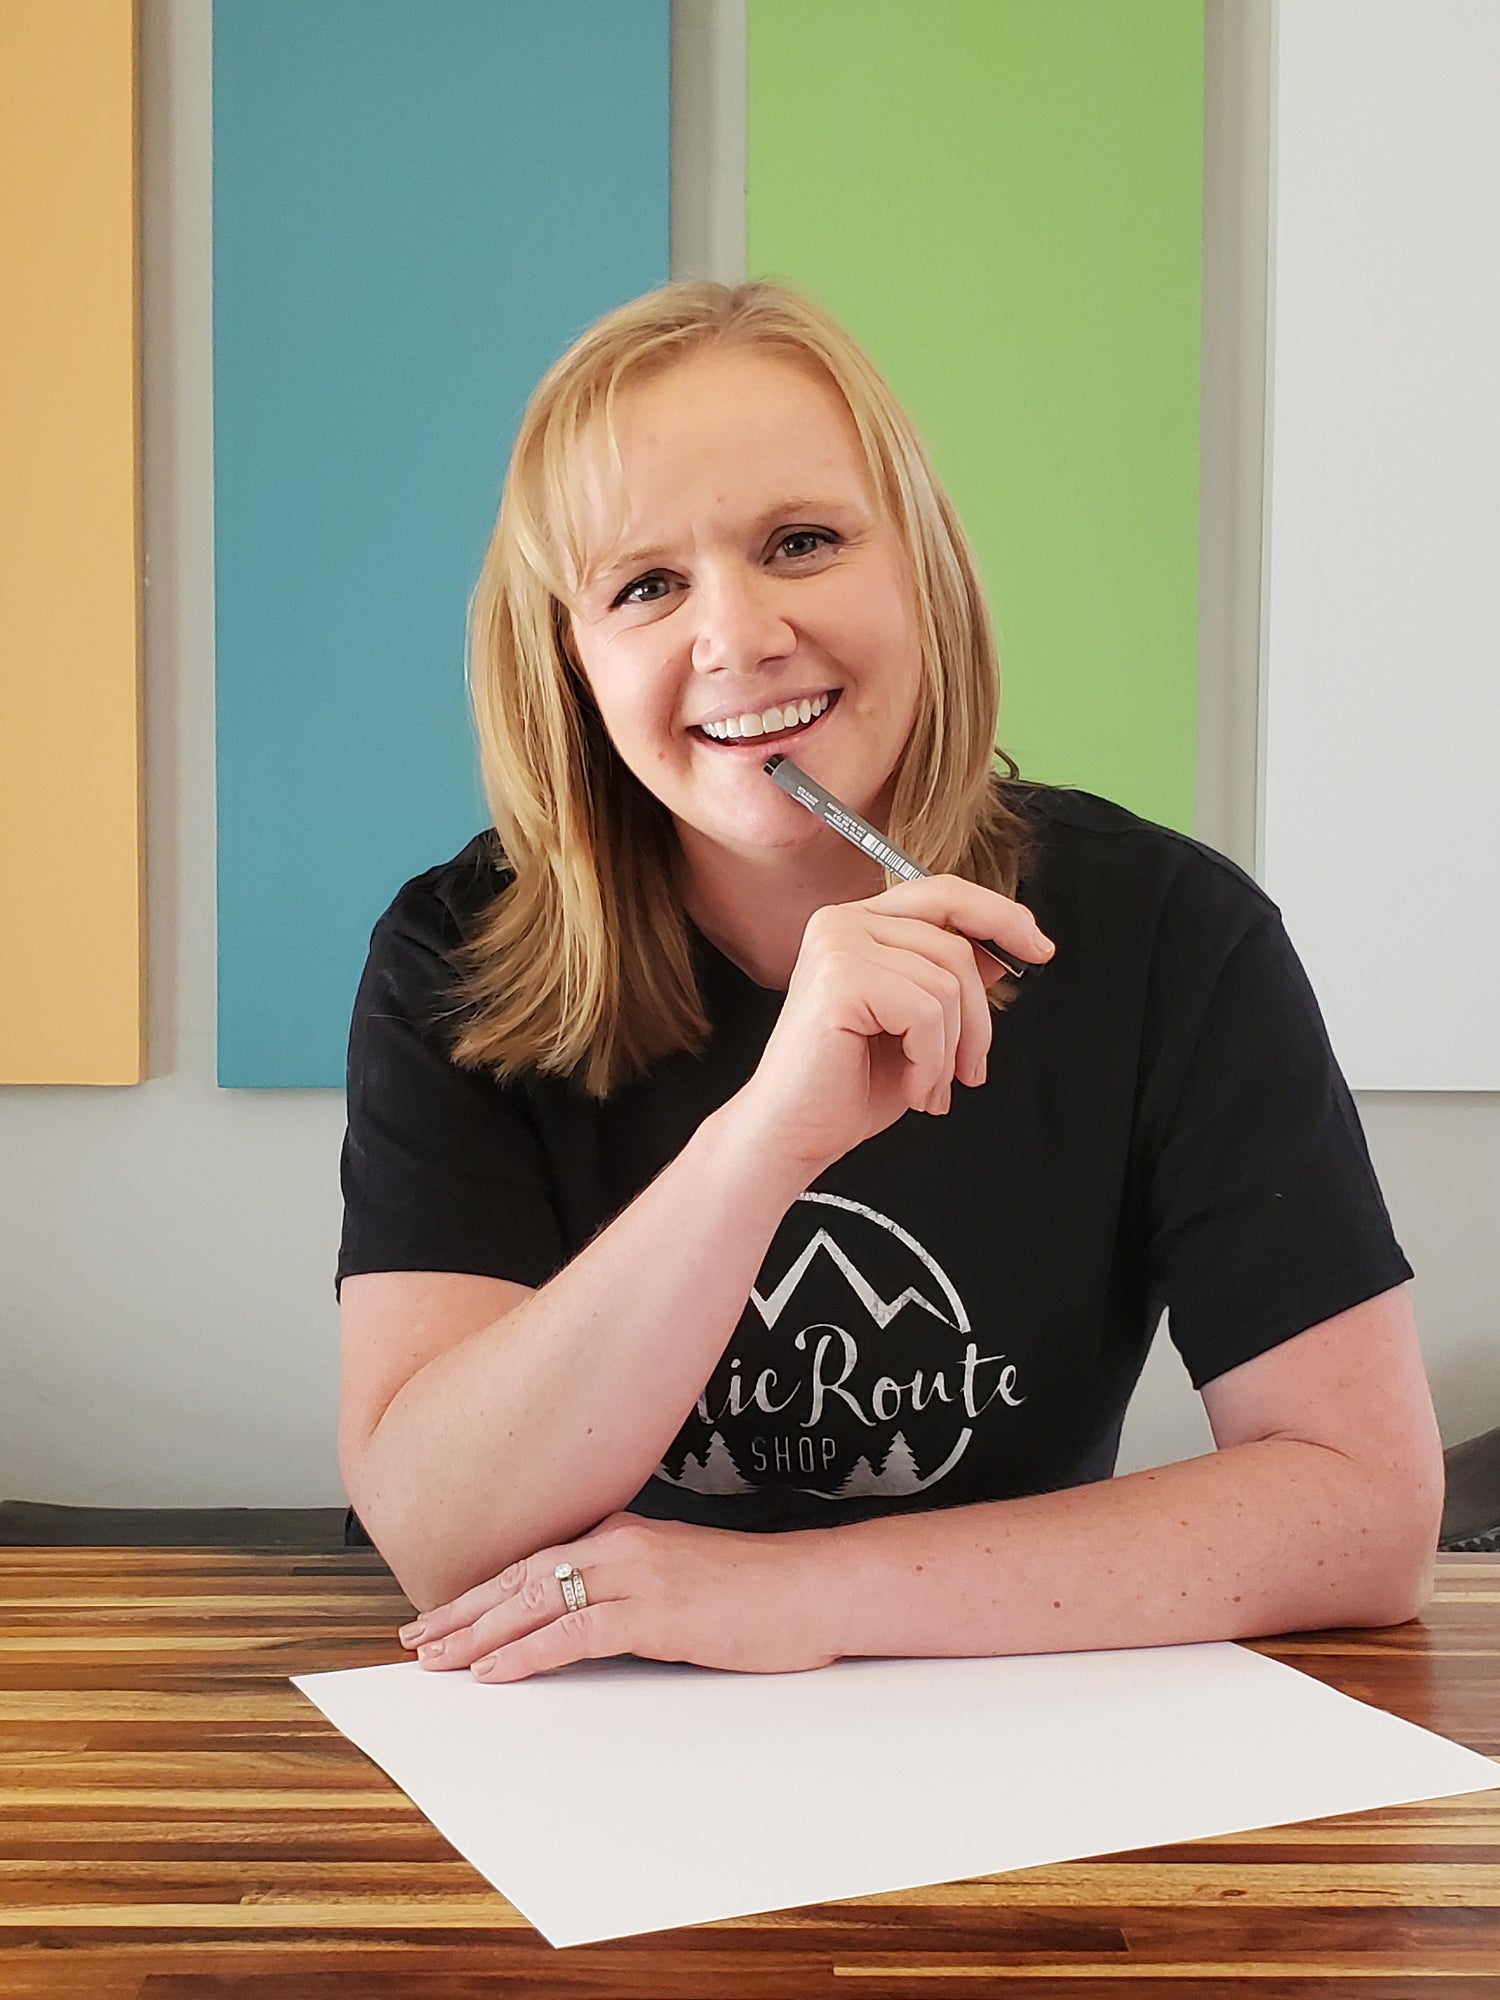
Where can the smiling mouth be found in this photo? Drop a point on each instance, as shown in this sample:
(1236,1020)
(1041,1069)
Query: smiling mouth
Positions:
(770,738)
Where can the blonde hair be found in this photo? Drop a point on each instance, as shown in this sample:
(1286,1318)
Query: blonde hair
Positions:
(583,965)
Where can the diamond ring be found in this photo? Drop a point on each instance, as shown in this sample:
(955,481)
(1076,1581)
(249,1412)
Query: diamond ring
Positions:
(573,1591)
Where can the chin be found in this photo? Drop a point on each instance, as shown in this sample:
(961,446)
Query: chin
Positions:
(751,832)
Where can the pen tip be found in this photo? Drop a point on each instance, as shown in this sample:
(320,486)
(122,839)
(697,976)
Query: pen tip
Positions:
(771,763)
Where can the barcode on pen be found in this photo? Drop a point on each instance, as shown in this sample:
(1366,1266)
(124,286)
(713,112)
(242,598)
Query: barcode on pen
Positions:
(897,863)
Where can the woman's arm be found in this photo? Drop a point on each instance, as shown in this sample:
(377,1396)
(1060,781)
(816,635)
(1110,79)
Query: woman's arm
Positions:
(1319,1509)
(465,1446)
(462,1454)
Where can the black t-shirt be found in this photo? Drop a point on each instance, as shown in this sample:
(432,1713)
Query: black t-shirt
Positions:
(959,1309)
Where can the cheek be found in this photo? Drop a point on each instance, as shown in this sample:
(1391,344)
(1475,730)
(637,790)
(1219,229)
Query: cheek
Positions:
(888,635)
(634,698)
(887,615)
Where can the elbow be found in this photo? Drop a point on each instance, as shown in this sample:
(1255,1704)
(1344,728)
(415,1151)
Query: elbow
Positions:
(414,1528)
(1397,1569)
(430,1574)
(404,1549)
(387,1517)
(395,1510)
(424,1587)
(1401,1588)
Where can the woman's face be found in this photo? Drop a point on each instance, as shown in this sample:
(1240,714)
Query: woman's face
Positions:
(755,576)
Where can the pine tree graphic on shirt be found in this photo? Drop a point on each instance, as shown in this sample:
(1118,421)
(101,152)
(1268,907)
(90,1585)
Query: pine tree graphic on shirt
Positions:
(715,1472)
(898,1474)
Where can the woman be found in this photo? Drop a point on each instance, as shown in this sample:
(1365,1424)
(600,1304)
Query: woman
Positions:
(696,1185)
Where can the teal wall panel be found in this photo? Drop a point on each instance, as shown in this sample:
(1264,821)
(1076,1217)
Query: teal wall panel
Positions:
(416,207)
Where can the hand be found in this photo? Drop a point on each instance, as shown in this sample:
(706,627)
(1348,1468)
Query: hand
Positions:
(886,1008)
(659,1589)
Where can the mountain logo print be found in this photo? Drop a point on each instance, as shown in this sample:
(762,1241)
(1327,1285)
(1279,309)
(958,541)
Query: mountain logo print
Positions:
(854,1372)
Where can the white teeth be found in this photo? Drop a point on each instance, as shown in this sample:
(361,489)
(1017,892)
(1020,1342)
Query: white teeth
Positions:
(768,721)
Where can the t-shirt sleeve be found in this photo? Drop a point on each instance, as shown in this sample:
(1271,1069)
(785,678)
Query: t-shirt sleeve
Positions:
(442,1168)
(1264,1215)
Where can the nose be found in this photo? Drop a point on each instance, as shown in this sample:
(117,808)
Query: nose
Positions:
(740,623)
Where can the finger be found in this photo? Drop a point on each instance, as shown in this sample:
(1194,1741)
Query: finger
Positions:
(943,986)
(463,1611)
(595,1633)
(527,1590)
(979,913)
(537,1602)
(959,957)
(900,1001)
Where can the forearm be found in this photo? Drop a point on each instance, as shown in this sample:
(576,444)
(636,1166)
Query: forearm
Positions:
(1274,1536)
(537,1426)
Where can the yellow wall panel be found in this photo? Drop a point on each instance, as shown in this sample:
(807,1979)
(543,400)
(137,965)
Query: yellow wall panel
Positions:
(71,822)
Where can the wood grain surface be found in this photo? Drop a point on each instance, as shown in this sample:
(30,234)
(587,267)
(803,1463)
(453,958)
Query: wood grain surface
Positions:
(177,1821)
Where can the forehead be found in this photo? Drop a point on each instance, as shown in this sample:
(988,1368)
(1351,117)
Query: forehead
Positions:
(727,431)
(777,399)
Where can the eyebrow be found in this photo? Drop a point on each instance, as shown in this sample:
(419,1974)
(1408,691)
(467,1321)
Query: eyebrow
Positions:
(614,566)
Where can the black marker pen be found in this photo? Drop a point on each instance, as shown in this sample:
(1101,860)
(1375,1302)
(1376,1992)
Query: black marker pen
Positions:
(824,806)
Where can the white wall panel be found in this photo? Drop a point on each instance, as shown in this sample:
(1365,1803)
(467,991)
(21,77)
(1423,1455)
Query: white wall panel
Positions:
(1380,834)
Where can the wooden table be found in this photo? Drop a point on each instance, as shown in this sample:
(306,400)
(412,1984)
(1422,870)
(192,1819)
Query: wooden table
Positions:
(176,1822)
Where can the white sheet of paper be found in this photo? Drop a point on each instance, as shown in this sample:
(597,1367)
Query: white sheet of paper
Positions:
(622,1796)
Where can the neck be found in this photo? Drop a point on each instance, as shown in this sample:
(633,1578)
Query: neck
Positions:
(755,905)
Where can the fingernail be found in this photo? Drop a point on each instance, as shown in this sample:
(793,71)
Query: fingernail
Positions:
(1046,943)
(409,1635)
(484,1666)
(431,1650)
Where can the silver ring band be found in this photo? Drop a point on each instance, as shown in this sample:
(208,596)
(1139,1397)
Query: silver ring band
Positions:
(574,1594)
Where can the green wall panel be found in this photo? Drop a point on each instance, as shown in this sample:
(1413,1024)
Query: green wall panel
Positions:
(1002,200)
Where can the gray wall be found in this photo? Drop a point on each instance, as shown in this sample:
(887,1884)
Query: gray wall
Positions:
(168,1334)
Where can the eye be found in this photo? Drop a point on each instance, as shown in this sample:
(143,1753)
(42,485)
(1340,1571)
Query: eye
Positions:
(628,594)
(818,537)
